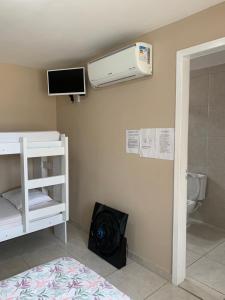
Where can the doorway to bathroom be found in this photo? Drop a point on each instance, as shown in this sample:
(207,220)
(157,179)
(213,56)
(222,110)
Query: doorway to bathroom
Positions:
(199,238)
(205,249)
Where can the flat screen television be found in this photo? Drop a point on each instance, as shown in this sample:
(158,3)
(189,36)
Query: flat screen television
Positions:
(66,82)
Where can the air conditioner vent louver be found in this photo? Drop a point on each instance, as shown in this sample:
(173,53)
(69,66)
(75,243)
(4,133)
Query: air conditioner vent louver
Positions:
(117,81)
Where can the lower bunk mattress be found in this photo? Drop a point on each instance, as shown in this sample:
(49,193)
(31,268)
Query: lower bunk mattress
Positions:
(61,279)
(11,217)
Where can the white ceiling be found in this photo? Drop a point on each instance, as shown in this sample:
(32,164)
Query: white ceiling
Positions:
(55,33)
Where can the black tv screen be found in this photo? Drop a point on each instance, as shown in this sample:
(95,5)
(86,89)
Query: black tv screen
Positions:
(66,81)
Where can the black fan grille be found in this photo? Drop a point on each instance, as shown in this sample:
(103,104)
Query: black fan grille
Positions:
(106,233)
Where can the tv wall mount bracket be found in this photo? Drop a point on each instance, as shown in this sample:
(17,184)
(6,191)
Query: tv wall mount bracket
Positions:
(73,100)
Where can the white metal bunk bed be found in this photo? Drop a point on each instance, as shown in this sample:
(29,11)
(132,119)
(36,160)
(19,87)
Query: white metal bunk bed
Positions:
(55,213)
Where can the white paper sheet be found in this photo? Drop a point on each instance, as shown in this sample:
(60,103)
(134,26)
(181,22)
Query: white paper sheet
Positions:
(148,142)
(165,143)
(132,141)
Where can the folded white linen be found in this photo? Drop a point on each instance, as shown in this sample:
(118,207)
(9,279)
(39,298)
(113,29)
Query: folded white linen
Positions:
(35,197)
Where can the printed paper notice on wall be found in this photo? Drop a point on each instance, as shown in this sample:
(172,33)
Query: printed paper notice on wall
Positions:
(148,142)
(165,143)
(132,141)
(151,142)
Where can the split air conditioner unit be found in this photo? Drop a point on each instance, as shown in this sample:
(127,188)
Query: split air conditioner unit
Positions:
(125,64)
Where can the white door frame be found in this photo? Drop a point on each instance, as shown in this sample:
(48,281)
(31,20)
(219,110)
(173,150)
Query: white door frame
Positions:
(181,151)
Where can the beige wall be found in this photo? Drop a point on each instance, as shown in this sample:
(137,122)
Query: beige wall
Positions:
(24,106)
(100,170)
(207,139)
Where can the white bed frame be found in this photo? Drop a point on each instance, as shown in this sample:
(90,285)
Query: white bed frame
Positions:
(40,145)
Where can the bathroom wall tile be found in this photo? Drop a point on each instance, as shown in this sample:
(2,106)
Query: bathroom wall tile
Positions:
(197,169)
(198,120)
(216,153)
(197,151)
(200,72)
(216,180)
(213,207)
(216,69)
(216,121)
(199,87)
(213,212)
(217,89)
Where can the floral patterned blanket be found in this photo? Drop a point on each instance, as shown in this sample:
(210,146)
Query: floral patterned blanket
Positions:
(61,279)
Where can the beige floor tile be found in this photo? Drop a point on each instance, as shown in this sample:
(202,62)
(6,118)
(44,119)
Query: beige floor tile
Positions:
(170,292)
(202,238)
(77,245)
(191,257)
(218,254)
(129,260)
(76,250)
(27,244)
(45,254)
(201,290)
(209,273)
(11,248)
(12,267)
(74,232)
(38,240)
(136,281)
(97,264)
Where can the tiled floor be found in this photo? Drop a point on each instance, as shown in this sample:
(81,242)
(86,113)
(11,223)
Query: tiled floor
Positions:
(22,253)
(206,256)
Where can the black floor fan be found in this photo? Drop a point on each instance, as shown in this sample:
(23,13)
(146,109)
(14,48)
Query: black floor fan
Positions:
(106,237)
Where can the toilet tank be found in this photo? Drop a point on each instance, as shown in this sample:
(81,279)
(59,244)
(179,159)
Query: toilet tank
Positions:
(196,186)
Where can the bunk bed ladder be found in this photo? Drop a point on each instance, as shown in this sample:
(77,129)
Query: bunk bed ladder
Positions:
(24,183)
(60,182)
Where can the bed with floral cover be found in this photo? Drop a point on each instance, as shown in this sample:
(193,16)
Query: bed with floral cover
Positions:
(64,279)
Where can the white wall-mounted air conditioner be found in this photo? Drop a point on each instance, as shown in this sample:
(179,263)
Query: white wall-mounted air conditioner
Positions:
(128,63)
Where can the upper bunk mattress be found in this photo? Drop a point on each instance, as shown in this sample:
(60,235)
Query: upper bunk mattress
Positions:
(32,136)
(63,278)
(9,215)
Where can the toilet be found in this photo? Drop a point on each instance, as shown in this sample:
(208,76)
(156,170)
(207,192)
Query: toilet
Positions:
(196,190)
